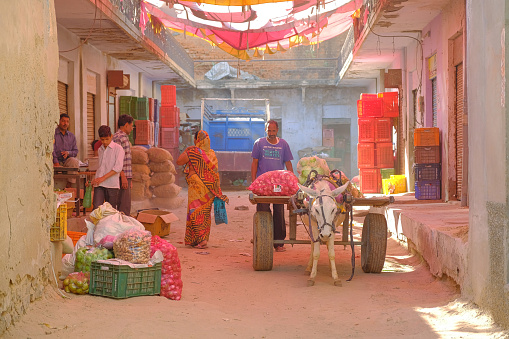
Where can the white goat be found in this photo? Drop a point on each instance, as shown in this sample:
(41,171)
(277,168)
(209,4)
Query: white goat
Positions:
(325,216)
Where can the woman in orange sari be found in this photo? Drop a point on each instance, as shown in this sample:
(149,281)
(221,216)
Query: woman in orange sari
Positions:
(203,186)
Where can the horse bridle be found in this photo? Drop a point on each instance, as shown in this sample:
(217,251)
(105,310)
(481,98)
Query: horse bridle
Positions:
(320,201)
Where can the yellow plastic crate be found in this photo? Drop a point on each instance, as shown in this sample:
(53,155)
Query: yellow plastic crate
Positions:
(58,231)
(396,184)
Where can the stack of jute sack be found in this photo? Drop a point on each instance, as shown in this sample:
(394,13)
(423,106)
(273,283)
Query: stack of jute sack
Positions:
(154,177)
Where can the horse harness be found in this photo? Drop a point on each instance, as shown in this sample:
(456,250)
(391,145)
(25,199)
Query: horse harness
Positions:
(320,201)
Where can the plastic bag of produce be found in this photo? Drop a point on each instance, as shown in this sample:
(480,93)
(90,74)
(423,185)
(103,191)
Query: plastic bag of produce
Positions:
(85,256)
(157,154)
(77,283)
(275,183)
(171,280)
(102,211)
(133,245)
(115,225)
(307,164)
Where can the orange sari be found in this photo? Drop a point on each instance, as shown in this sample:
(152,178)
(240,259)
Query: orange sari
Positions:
(203,187)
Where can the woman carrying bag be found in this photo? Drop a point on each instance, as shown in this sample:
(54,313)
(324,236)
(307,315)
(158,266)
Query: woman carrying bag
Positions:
(203,188)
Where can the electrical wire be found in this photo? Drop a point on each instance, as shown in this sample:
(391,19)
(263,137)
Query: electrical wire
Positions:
(89,32)
(370,24)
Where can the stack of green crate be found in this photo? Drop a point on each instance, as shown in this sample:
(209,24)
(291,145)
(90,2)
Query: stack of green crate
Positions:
(142,111)
(128,105)
(132,135)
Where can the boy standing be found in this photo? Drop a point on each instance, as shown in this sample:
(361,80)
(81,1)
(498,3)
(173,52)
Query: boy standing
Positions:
(111,160)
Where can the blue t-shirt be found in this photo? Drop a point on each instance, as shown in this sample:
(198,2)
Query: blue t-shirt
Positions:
(271,157)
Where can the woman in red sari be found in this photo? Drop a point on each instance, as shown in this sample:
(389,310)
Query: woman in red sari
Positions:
(203,186)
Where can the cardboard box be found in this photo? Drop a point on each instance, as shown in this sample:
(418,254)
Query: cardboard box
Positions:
(156,221)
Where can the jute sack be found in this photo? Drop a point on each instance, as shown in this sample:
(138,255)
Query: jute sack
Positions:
(162,178)
(157,154)
(138,191)
(165,166)
(138,168)
(168,203)
(139,155)
(167,191)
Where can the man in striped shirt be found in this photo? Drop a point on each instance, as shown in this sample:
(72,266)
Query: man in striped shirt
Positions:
(125,127)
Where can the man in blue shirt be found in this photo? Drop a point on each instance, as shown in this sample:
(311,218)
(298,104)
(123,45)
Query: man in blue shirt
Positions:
(65,149)
(270,154)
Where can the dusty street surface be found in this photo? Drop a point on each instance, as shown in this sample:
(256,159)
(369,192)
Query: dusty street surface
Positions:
(223,297)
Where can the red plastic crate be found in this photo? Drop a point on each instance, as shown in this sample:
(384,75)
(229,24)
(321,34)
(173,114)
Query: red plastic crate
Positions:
(390,104)
(383,130)
(366,129)
(169,137)
(144,132)
(366,155)
(384,155)
(168,116)
(168,95)
(359,108)
(370,180)
(427,155)
(371,106)
(151,109)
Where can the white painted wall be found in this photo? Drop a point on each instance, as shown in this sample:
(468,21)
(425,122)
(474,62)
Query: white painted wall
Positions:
(488,175)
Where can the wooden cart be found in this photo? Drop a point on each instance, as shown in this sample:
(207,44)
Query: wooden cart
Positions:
(373,242)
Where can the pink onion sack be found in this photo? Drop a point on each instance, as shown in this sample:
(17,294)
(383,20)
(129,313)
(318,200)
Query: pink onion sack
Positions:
(171,281)
(275,183)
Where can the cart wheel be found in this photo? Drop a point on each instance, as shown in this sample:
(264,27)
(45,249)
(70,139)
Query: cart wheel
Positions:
(263,241)
(374,243)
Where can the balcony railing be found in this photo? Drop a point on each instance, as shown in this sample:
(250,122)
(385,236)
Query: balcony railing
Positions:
(165,41)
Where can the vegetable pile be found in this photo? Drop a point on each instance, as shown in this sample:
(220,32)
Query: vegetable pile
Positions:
(77,283)
(171,282)
(85,256)
(275,183)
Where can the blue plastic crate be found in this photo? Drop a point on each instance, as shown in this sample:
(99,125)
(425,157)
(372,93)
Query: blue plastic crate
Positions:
(427,190)
(156,110)
(427,172)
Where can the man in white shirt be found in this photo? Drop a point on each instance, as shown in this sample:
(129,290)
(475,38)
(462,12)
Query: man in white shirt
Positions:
(111,161)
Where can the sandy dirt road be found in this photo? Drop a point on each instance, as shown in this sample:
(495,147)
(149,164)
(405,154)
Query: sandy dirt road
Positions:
(223,297)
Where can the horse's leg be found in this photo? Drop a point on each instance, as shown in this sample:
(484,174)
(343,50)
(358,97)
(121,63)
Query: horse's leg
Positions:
(315,254)
(332,260)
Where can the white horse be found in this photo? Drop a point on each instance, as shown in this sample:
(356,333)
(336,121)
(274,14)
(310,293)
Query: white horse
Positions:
(325,215)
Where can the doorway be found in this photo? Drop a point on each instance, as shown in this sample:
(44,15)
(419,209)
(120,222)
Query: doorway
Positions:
(336,135)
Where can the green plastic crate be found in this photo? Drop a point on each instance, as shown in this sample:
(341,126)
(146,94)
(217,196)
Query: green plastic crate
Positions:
(122,281)
(142,109)
(124,103)
(386,172)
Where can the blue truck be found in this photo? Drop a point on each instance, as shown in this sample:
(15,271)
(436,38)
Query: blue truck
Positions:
(233,132)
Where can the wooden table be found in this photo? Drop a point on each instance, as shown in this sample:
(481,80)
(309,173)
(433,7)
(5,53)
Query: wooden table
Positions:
(74,173)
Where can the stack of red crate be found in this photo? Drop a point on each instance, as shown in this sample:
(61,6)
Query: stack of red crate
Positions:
(169,119)
(375,149)
(144,132)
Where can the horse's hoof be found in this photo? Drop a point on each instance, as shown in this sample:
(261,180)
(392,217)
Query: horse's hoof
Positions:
(311,282)
(338,283)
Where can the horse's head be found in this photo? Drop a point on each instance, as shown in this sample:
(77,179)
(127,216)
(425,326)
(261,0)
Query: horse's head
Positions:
(323,206)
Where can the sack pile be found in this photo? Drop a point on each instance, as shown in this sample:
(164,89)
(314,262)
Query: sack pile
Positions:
(162,181)
(141,174)
(154,177)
